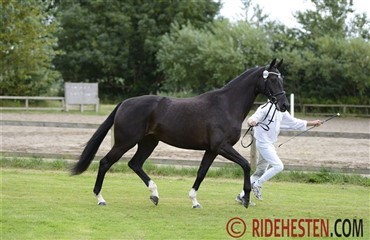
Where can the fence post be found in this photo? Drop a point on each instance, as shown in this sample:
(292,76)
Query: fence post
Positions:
(292,104)
(253,152)
(112,136)
(97,107)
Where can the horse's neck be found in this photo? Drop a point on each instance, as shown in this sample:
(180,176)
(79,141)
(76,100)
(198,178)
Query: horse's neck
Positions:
(241,94)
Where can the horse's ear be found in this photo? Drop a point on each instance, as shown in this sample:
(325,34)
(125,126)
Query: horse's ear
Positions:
(279,64)
(272,64)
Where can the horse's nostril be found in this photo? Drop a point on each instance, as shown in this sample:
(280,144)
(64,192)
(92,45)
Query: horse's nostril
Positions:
(285,107)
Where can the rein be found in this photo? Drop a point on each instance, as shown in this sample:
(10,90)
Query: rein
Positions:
(264,126)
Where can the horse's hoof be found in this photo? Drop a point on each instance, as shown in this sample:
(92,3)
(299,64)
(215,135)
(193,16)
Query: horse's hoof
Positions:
(245,203)
(154,199)
(102,204)
(197,206)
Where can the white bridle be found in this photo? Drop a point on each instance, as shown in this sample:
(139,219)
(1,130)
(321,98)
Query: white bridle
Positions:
(267,73)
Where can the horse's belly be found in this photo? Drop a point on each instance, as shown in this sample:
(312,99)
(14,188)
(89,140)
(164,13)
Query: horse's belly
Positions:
(185,145)
(183,139)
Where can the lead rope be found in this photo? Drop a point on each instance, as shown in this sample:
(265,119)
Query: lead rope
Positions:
(241,141)
(261,124)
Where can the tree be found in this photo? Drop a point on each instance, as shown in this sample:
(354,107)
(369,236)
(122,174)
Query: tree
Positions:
(328,17)
(327,60)
(26,51)
(115,42)
(254,14)
(94,41)
(335,73)
(359,27)
(335,18)
(198,60)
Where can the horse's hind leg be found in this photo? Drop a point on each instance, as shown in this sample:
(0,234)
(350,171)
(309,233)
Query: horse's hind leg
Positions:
(105,163)
(145,148)
(230,153)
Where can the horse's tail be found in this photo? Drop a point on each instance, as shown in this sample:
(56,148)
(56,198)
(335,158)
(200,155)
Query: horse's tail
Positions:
(93,144)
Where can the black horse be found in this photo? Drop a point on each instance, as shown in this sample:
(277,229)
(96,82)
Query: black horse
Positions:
(211,122)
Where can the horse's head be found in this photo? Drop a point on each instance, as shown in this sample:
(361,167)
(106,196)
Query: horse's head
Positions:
(272,85)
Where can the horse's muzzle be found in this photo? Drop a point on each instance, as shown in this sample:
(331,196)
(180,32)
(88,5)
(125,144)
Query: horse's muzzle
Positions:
(281,102)
(284,107)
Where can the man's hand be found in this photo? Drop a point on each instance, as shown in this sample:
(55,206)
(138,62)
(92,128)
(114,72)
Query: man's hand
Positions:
(251,122)
(315,123)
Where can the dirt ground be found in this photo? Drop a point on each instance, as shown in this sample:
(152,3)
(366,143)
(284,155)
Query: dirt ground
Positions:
(302,151)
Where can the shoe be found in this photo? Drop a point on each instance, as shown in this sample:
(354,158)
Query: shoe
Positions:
(257,191)
(239,200)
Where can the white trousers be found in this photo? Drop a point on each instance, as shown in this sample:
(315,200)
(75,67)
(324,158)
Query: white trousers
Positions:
(268,163)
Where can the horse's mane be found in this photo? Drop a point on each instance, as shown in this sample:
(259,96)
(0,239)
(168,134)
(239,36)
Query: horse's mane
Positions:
(247,72)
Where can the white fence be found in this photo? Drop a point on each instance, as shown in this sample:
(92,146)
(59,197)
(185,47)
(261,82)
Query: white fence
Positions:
(80,94)
(184,162)
(27,100)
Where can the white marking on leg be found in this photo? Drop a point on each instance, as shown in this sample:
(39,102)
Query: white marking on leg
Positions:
(242,194)
(193,197)
(101,200)
(153,188)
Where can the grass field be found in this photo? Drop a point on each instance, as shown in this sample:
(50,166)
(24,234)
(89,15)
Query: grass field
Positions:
(45,204)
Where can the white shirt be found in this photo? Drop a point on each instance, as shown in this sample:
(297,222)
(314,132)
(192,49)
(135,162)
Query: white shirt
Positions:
(281,120)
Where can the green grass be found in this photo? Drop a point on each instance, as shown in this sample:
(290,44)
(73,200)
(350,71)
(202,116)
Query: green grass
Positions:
(45,204)
(233,172)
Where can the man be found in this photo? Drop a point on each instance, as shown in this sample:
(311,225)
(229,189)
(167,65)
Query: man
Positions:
(267,122)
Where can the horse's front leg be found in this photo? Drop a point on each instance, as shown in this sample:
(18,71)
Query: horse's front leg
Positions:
(207,160)
(154,197)
(230,153)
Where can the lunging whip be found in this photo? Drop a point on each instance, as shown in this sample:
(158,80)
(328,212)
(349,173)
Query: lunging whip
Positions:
(334,116)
